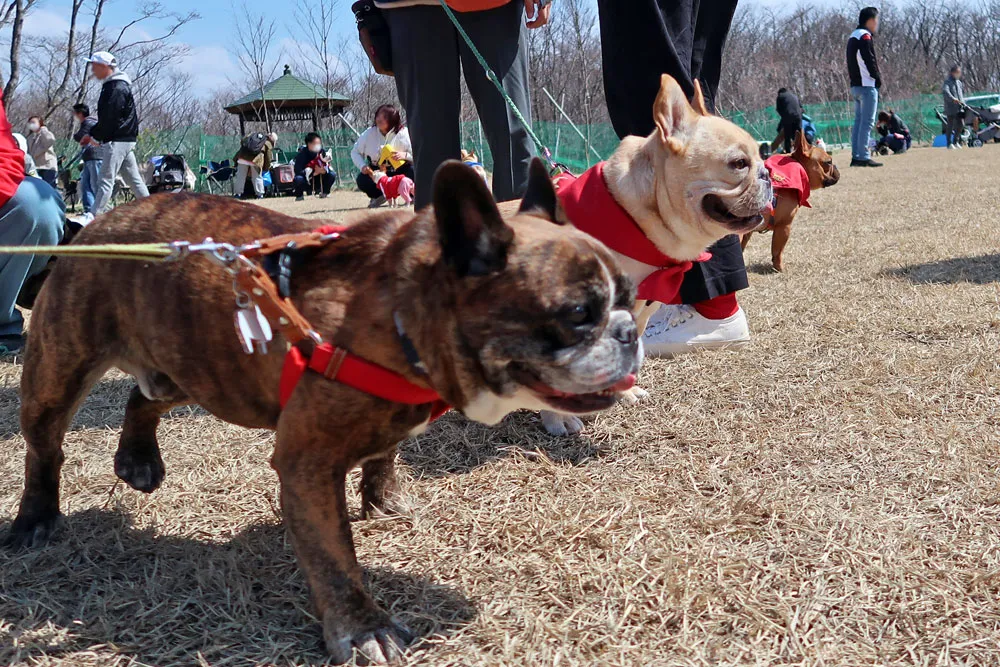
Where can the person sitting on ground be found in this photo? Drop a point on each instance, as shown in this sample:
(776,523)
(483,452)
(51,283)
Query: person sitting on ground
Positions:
(91,171)
(384,146)
(254,160)
(790,112)
(31,214)
(312,164)
(894,134)
(41,146)
(954,107)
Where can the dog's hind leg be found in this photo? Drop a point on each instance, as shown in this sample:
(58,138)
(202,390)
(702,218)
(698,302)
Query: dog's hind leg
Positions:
(52,386)
(745,240)
(380,492)
(138,462)
(778,242)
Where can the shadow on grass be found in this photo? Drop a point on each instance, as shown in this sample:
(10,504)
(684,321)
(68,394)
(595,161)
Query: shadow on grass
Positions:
(762,269)
(979,270)
(457,445)
(103,586)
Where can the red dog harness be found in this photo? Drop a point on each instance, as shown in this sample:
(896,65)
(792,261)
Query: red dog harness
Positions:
(333,363)
(591,208)
(789,175)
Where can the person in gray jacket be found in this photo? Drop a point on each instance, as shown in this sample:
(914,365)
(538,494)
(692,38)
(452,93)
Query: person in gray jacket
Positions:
(954,107)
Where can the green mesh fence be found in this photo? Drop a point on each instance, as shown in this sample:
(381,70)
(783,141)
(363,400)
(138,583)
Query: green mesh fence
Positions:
(833,121)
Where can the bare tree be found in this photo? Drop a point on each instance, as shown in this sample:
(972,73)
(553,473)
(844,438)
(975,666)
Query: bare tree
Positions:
(15,14)
(317,50)
(254,44)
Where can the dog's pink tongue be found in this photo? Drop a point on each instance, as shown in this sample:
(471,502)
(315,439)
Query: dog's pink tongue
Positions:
(625,384)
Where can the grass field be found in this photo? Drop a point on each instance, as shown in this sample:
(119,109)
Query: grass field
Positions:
(828,496)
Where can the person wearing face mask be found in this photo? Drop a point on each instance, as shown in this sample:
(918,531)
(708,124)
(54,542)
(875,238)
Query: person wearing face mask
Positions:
(384,146)
(115,132)
(310,165)
(41,147)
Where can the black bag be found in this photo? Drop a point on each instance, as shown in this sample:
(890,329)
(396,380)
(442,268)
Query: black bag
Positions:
(373,31)
(254,142)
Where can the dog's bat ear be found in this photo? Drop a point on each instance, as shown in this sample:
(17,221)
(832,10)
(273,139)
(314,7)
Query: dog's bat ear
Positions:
(474,238)
(699,99)
(671,112)
(801,145)
(540,198)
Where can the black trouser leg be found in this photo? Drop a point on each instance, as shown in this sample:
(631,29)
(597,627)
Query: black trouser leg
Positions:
(368,186)
(790,127)
(685,39)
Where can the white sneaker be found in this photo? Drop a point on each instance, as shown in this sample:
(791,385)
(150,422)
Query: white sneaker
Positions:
(952,147)
(83,219)
(674,330)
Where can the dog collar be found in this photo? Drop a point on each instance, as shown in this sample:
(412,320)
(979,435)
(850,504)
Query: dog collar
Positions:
(591,208)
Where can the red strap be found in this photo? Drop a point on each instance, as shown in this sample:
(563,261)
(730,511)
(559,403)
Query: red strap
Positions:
(341,366)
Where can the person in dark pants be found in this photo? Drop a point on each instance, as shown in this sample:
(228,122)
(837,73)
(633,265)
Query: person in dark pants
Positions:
(894,132)
(428,56)
(384,146)
(310,165)
(685,39)
(790,112)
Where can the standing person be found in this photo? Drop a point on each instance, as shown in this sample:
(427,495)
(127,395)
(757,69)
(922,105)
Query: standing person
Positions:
(115,132)
(253,160)
(685,39)
(90,174)
(310,163)
(41,146)
(954,107)
(894,132)
(428,56)
(31,214)
(790,112)
(386,138)
(862,67)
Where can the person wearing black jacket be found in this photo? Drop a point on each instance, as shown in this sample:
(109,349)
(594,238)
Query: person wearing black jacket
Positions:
(685,39)
(895,134)
(862,67)
(115,132)
(790,112)
(90,173)
(310,164)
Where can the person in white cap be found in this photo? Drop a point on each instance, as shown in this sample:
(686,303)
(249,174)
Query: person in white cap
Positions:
(115,132)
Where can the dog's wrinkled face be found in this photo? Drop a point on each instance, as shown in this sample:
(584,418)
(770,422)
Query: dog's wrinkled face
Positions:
(710,178)
(818,164)
(543,309)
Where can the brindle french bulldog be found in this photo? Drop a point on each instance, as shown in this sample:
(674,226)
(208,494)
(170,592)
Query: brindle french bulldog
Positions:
(504,314)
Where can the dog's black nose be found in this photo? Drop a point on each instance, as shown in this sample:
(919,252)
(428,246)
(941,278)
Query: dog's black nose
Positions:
(626,333)
(763,174)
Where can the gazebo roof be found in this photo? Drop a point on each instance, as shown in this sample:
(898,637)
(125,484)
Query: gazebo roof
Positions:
(287,92)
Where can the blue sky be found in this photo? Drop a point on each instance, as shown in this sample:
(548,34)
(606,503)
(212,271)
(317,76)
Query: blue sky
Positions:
(211,37)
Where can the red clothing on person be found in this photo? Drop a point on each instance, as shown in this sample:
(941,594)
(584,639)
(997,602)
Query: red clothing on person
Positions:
(475,5)
(11,159)
(787,174)
(591,208)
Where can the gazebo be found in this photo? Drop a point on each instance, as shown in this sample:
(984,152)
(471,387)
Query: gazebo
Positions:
(287,98)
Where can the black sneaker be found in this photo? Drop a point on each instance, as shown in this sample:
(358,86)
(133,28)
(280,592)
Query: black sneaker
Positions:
(300,198)
(865,163)
(11,346)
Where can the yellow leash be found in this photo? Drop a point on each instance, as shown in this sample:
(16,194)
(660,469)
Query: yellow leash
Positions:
(143,252)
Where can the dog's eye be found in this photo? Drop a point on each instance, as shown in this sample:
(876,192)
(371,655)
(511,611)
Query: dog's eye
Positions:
(580,315)
(739,164)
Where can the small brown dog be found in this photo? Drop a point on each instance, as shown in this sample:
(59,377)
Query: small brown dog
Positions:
(500,315)
(819,172)
(472,160)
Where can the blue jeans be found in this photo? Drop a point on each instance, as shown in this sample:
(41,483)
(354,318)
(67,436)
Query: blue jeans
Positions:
(865,109)
(32,217)
(89,178)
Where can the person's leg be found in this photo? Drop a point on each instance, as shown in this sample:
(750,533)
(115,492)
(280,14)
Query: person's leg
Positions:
(301,185)
(240,181)
(258,181)
(499,34)
(327,180)
(959,128)
(426,65)
(48,175)
(405,170)
(86,186)
(869,112)
(32,217)
(111,163)
(130,170)
(714,18)
(790,128)
(367,185)
(856,153)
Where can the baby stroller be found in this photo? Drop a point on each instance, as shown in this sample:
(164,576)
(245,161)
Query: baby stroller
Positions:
(985,127)
(167,173)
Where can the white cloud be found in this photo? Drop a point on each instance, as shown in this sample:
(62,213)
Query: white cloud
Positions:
(46,23)
(210,67)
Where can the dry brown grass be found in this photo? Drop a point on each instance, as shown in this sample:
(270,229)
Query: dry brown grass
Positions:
(830,496)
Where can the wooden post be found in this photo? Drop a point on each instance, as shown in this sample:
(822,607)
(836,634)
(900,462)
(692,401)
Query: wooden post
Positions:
(243,127)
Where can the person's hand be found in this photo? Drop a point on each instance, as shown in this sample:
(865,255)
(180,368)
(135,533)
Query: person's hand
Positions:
(399,156)
(537,15)
(898,135)
(366,170)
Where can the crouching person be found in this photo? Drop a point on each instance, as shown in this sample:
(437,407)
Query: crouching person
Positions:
(311,167)
(894,133)
(31,214)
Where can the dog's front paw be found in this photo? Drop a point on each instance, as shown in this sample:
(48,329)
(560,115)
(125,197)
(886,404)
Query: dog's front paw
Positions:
(27,533)
(380,643)
(558,424)
(634,395)
(140,467)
